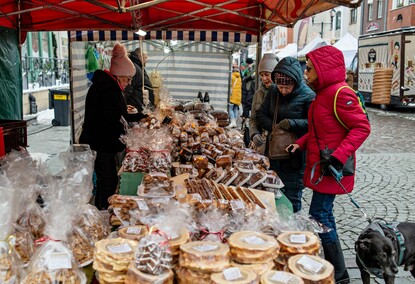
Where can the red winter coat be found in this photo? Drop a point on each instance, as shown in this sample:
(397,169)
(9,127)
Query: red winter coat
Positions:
(329,65)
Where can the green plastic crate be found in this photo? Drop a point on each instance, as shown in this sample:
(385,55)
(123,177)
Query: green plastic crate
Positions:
(129,182)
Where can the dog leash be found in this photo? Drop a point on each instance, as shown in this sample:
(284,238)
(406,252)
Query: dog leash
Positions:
(338,175)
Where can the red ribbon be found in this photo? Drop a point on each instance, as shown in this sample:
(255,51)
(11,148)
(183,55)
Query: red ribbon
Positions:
(220,234)
(43,240)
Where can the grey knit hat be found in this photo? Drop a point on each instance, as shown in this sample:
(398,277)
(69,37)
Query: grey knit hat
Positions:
(267,63)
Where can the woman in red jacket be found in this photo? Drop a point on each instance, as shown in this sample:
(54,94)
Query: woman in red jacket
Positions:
(344,134)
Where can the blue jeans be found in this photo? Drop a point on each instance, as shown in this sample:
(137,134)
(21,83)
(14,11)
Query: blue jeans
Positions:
(233,111)
(321,208)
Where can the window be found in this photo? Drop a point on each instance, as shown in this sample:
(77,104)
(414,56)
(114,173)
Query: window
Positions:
(398,3)
(369,11)
(380,8)
(353,16)
(338,20)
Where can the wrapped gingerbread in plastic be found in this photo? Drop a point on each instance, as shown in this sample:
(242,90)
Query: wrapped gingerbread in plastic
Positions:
(161,145)
(53,261)
(11,267)
(200,162)
(156,185)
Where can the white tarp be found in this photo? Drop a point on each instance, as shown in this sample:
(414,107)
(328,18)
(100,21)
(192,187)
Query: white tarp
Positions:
(289,50)
(317,41)
(348,45)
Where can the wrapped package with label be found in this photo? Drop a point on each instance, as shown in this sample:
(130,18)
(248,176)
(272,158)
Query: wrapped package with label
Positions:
(280,277)
(252,247)
(235,275)
(297,242)
(311,268)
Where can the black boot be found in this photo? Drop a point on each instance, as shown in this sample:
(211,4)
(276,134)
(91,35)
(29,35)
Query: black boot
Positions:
(333,253)
(200,96)
(206,99)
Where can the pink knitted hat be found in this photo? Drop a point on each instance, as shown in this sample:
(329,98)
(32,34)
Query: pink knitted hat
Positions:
(121,65)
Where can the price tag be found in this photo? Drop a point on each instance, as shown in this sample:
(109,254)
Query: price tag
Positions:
(204,248)
(160,200)
(254,240)
(134,230)
(59,261)
(281,277)
(237,204)
(298,239)
(310,264)
(124,248)
(142,205)
(232,273)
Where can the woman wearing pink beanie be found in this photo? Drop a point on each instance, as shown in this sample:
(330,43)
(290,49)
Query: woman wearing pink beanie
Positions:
(104,106)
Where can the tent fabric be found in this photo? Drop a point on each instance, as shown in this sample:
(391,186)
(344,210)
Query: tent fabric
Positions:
(211,36)
(315,43)
(254,17)
(289,50)
(11,106)
(348,46)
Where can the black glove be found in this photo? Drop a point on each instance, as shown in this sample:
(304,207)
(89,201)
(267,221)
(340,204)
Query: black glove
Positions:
(335,163)
(284,124)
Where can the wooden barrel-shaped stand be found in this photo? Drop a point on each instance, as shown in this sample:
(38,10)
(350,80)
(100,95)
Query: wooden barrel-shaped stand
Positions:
(382,86)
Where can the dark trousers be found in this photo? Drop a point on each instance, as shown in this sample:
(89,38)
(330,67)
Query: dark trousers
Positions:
(321,208)
(107,179)
(292,179)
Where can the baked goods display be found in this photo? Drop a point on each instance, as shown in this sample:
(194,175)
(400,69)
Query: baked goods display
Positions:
(204,256)
(176,241)
(132,232)
(252,247)
(112,258)
(312,269)
(280,277)
(53,263)
(299,242)
(156,185)
(235,275)
(136,276)
(189,276)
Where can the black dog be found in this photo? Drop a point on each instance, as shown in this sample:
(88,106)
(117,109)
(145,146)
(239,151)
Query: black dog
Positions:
(382,247)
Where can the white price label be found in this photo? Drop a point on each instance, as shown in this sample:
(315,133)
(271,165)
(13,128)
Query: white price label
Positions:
(124,248)
(310,264)
(134,230)
(160,200)
(254,240)
(59,261)
(205,248)
(281,277)
(298,239)
(142,205)
(237,204)
(232,273)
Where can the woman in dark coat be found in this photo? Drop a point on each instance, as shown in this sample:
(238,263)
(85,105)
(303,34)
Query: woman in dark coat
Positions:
(295,98)
(104,106)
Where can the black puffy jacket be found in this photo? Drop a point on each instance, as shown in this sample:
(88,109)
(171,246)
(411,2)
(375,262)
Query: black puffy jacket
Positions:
(294,106)
(104,107)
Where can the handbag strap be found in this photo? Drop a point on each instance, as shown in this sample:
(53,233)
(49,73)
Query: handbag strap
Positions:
(277,106)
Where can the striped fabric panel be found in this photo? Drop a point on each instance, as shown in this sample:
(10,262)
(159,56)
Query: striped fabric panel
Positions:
(79,85)
(210,36)
(185,73)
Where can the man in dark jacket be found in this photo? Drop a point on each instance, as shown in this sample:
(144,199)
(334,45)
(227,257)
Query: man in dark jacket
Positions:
(102,128)
(294,101)
(134,92)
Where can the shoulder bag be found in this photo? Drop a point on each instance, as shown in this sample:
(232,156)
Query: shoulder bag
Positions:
(279,139)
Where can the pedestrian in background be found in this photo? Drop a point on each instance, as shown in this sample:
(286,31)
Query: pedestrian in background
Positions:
(290,97)
(326,73)
(105,105)
(265,68)
(135,93)
(236,96)
(248,87)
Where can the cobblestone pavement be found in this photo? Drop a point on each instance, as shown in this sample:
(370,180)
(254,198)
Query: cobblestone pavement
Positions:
(385,184)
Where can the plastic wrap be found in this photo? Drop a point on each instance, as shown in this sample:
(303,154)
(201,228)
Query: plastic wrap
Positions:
(211,226)
(53,260)
(11,267)
(156,185)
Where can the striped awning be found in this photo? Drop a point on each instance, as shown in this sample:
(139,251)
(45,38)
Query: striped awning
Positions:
(210,36)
